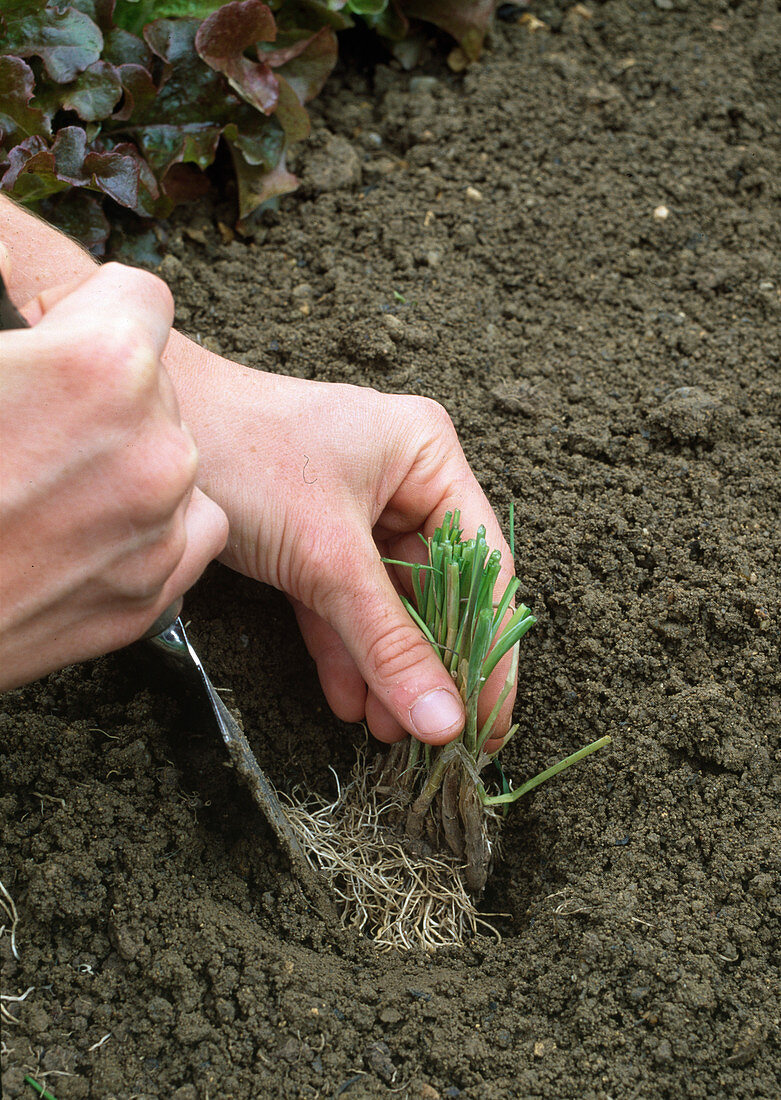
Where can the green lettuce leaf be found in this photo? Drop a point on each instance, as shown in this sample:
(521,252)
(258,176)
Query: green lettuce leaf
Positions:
(94,93)
(66,40)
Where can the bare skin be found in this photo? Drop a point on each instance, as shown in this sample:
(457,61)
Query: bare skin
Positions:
(317,482)
(100,522)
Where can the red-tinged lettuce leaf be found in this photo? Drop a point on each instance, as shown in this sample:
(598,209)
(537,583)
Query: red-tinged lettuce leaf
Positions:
(69,149)
(221,41)
(42,169)
(32,173)
(36,171)
(123,175)
(182,183)
(94,94)
(79,214)
(139,92)
(257,185)
(305,64)
(189,92)
(235,27)
(66,40)
(291,114)
(466,20)
(18,120)
(260,140)
(172,39)
(122,48)
(194,143)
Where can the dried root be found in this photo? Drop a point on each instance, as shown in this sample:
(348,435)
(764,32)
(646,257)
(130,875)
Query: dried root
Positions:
(397,890)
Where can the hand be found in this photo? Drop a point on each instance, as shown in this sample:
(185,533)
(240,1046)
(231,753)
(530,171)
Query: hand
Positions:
(319,481)
(100,526)
(385,467)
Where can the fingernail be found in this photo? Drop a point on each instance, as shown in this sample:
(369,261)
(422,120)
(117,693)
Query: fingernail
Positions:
(436,712)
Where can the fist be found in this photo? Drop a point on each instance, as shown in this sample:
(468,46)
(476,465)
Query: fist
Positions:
(101,527)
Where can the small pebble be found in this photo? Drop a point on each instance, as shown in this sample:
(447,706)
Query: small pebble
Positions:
(390,1016)
(457,60)
(380,166)
(474,195)
(661,213)
(423,84)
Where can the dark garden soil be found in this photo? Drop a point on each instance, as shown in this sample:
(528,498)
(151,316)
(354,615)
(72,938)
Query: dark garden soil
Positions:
(617,374)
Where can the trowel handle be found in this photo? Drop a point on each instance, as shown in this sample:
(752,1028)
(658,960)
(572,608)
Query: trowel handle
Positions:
(10,317)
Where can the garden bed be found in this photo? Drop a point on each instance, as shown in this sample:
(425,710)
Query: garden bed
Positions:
(572,247)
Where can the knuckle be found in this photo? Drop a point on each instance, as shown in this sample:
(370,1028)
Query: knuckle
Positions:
(395,652)
(433,415)
(162,474)
(139,283)
(140,576)
(323,560)
(126,357)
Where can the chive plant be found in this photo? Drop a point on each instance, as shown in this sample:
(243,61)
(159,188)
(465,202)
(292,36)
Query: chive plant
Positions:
(407,843)
(455,607)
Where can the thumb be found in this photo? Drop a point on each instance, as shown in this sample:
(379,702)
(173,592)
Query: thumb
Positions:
(401,669)
(47,299)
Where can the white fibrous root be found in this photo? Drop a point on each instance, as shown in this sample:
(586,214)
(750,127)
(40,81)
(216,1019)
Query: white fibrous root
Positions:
(398,896)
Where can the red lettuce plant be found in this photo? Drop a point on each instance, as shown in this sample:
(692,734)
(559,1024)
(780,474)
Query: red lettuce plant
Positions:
(129,99)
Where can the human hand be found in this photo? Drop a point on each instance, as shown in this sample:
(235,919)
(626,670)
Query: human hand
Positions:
(100,526)
(319,481)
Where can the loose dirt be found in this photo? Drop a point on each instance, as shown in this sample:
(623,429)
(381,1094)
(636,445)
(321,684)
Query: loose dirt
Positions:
(575,248)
